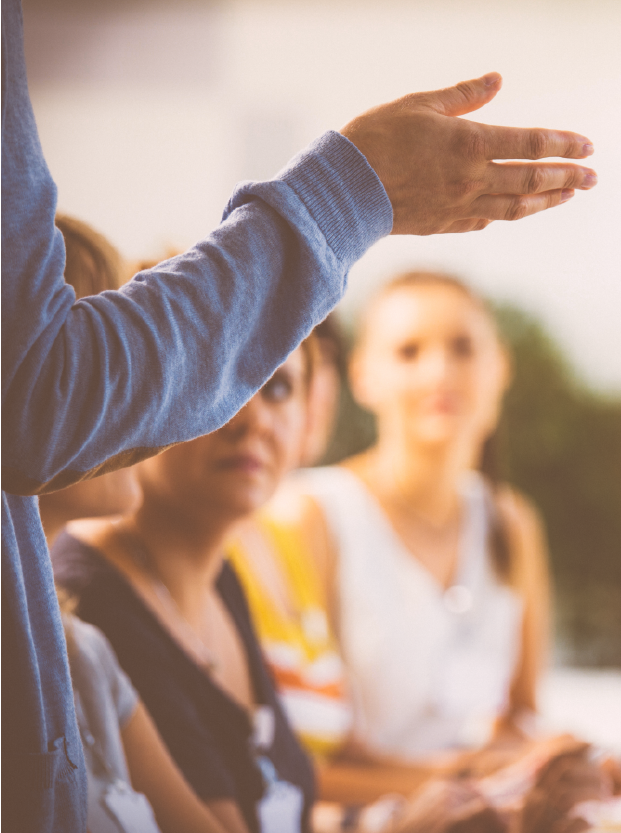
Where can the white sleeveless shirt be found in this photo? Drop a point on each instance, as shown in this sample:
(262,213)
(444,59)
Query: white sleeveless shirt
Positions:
(429,669)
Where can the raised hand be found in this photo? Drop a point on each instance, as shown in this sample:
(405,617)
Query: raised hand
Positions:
(441,172)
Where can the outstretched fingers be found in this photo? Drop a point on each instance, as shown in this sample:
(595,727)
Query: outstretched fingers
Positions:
(529,178)
(464,97)
(516,207)
(533,143)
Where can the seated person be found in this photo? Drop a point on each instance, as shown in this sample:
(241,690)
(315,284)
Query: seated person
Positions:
(288,604)
(133,784)
(157,584)
(365,549)
(436,575)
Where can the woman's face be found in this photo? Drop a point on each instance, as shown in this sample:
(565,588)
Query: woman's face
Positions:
(430,366)
(235,470)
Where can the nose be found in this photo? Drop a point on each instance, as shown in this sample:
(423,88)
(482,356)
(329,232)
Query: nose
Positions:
(254,418)
(437,366)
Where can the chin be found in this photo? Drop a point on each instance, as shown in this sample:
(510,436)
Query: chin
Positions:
(434,442)
(439,430)
(240,493)
(245,501)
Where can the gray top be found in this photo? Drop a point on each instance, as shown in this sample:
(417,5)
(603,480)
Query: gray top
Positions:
(105,701)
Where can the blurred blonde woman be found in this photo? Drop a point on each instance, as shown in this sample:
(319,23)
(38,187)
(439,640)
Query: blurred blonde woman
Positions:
(436,576)
(433,577)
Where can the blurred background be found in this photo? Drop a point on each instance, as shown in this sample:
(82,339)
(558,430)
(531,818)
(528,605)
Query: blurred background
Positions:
(150,112)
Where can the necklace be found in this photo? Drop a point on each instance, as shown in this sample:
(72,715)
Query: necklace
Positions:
(435,546)
(399,507)
(139,554)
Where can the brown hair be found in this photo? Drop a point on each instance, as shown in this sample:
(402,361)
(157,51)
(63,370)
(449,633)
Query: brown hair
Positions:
(92,263)
(498,537)
(331,342)
(310,349)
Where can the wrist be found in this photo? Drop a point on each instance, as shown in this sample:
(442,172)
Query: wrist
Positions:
(343,194)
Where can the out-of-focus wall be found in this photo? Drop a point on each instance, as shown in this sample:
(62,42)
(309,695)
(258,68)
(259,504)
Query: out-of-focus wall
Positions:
(149,114)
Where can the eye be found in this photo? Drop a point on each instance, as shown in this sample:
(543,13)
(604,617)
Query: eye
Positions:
(462,347)
(408,352)
(278,389)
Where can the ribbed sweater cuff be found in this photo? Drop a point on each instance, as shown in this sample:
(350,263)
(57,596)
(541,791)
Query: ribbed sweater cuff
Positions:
(343,194)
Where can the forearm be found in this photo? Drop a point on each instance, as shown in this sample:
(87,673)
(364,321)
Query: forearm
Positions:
(153,772)
(359,782)
(176,353)
(362,783)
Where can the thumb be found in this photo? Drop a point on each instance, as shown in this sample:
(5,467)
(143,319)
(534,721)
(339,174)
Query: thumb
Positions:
(465,97)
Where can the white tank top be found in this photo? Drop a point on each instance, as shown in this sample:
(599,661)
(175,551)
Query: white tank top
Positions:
(429,668)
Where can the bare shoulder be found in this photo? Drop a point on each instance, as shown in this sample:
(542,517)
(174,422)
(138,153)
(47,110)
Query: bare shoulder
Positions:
(526,531)
(358,464)
(292,508)
(518,510)
(93,531)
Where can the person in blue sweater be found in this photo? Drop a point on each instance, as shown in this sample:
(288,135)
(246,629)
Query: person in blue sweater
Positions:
(98,384)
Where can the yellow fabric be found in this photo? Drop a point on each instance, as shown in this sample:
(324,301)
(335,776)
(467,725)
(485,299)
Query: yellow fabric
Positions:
(299,649)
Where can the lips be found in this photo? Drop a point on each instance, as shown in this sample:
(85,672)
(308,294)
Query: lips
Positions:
(243,463)
(442,404)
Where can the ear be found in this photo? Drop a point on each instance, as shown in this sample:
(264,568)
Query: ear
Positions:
(507,366)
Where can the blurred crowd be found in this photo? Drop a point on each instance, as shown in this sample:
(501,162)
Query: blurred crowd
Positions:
(230,604)
(229,636)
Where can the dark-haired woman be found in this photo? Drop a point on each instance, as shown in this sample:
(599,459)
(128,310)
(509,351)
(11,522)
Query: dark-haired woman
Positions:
(437,578)
(133,783)
(156,584)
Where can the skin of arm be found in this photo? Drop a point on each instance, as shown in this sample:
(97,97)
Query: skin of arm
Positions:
(358,783)
(154,773)
(530,577)
(449,807)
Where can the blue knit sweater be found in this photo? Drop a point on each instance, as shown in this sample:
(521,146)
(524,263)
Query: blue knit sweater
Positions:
(107,380)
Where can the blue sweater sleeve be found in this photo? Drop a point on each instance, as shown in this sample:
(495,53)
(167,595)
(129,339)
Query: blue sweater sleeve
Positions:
(100,383)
